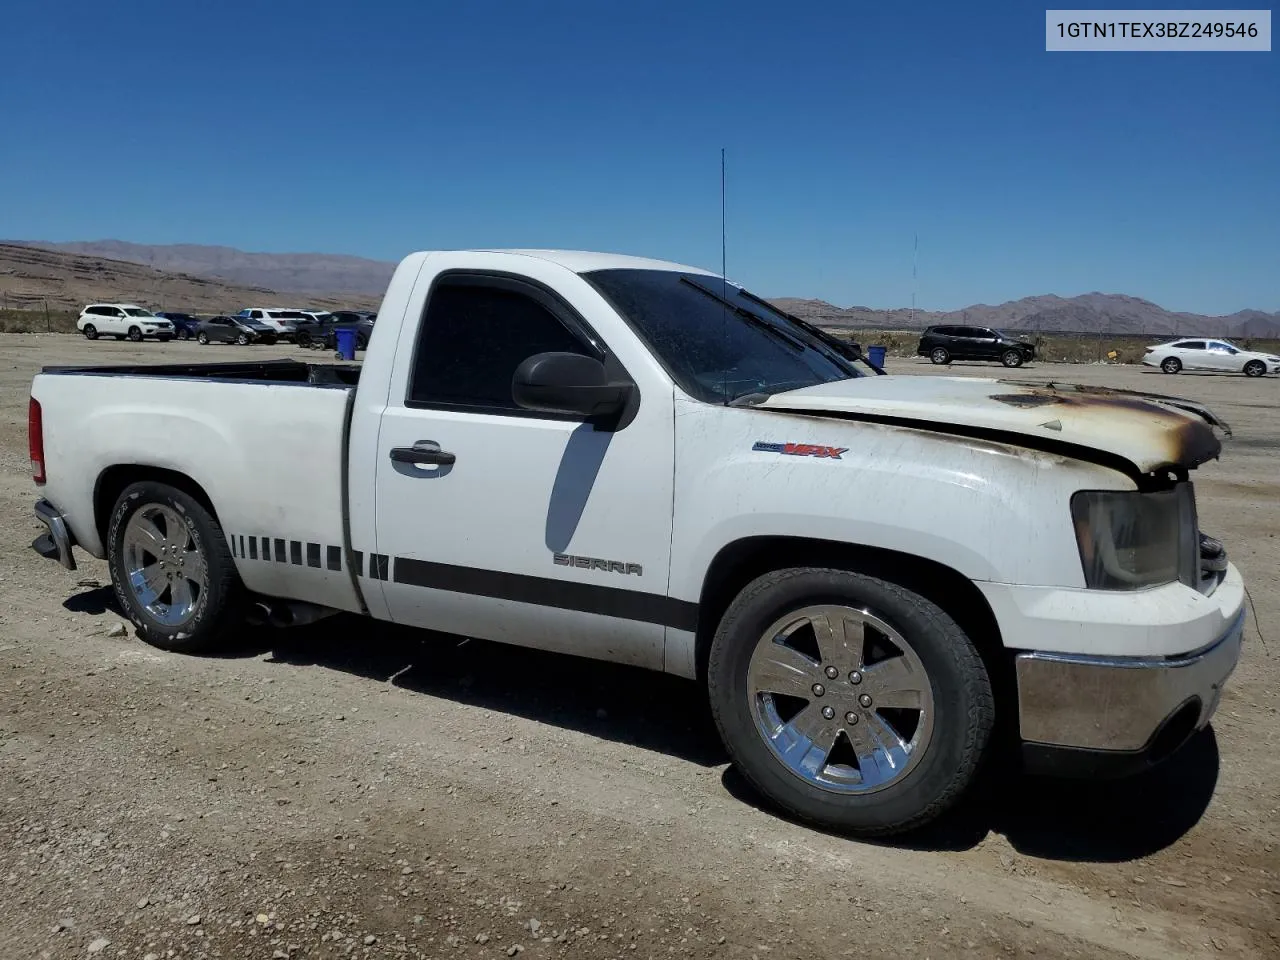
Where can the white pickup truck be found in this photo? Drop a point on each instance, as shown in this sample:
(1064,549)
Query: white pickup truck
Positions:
(641,462)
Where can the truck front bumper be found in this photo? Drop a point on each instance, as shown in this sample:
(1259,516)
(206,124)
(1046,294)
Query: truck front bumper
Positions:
(56,542)
(1082,710)
(1114,716)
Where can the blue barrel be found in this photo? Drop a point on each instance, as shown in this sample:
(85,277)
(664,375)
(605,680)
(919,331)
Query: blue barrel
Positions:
(876,356)
(346,337)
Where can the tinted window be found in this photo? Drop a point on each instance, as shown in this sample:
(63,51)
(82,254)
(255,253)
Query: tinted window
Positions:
(474,336)
(1224,348)
(96,311)
(718,351)
(976,333)
(1190,345)
(947,331)
(255,314)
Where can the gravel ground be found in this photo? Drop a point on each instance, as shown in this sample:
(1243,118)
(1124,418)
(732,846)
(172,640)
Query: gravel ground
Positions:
(354,790)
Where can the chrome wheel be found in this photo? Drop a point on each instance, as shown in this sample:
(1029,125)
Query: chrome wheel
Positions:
(939,355)
(166,571)
(840,699)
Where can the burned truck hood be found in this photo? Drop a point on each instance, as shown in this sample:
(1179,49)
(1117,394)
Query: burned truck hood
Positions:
(1148,431)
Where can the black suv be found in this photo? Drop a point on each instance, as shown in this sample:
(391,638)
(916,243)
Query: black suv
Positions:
(946,343)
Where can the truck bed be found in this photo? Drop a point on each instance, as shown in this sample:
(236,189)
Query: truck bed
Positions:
(264,441)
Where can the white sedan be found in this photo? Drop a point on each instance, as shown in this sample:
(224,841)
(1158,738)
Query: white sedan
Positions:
(1217,355)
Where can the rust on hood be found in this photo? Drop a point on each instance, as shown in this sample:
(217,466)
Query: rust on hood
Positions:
(1149,432)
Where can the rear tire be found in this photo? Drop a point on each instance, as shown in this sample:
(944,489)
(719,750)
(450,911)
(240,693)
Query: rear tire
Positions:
(90,332)
(194,617)
(940,355)
(1011,358)
(1171,365)
(1255,368)
(827,763)
(135,334)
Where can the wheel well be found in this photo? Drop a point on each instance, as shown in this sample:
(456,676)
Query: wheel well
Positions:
(113,481)
(740,562)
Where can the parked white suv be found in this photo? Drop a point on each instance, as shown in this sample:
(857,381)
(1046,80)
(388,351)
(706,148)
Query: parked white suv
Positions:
(122,320)
(284,322)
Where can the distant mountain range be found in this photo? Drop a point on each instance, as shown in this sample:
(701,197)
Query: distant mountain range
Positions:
(32,278)
(1112,314)
(337,276)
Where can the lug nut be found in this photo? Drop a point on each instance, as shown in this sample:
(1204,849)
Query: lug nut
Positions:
(819,689)
(855,677)
(865,700)
(851,718)
(828,713)
(832,673)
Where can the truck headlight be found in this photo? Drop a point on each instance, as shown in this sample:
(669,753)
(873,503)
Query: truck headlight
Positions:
(1130,539)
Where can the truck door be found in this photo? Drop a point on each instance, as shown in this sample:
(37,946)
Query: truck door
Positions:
(505,524)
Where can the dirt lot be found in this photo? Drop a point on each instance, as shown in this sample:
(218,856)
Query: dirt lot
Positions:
(352,790)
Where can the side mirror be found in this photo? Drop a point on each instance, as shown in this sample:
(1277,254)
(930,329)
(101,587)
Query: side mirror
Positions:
(568,383)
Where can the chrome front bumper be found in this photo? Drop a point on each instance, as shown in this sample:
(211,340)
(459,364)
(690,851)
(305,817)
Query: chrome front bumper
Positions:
(1121,708)
(56,543)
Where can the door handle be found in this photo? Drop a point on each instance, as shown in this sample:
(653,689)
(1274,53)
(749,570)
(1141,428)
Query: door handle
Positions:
(423,452)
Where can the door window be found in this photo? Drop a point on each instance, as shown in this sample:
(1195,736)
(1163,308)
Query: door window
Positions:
(1190,345)
(473,336)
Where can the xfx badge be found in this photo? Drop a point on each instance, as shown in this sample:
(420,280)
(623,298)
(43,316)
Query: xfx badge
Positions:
(801,449)
(594,563)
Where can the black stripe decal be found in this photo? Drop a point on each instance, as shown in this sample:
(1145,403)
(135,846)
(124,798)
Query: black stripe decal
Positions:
(335,558)
(295,551)
(233,545)
(241,538)
(357,562)
(266,549)
(562,594)
(253,548)
(279,551)
(378,563)
(313,554)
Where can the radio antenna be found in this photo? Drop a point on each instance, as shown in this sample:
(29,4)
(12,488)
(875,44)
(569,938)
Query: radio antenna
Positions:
(915,255)
(724,287)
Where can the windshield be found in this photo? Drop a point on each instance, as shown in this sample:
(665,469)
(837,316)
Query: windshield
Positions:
(718,342)
(137,312)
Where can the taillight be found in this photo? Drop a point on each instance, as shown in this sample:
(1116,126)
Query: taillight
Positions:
(35,439)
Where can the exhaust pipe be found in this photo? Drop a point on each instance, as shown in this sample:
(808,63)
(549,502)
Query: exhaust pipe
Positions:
(288,613)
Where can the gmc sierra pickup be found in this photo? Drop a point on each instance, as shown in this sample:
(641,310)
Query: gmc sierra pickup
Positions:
(642,462)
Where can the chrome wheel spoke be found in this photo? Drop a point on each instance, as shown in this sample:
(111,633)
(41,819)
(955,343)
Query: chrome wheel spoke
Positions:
(805,742)
(881,753)
(147,535)
(896,682)
(840,640)
(777,668)
(151,579)
(181,596)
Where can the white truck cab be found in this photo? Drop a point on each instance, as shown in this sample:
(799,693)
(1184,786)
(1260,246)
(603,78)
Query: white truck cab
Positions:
(642,462)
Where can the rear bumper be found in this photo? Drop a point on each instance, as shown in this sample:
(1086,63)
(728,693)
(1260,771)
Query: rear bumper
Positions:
(56,542)
(1114,716)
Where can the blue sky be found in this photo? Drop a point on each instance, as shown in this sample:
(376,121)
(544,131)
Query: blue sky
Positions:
(386,127)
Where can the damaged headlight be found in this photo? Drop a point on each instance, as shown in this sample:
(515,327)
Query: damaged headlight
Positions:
(1131,539)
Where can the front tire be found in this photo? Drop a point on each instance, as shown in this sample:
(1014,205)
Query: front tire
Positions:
(172,569)
(1171,365)
(184,334)
(202,338)
(90,332)
(135,334)
(243,339)
(1255,368)
(848,701)
(1011,358)
(940,355)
